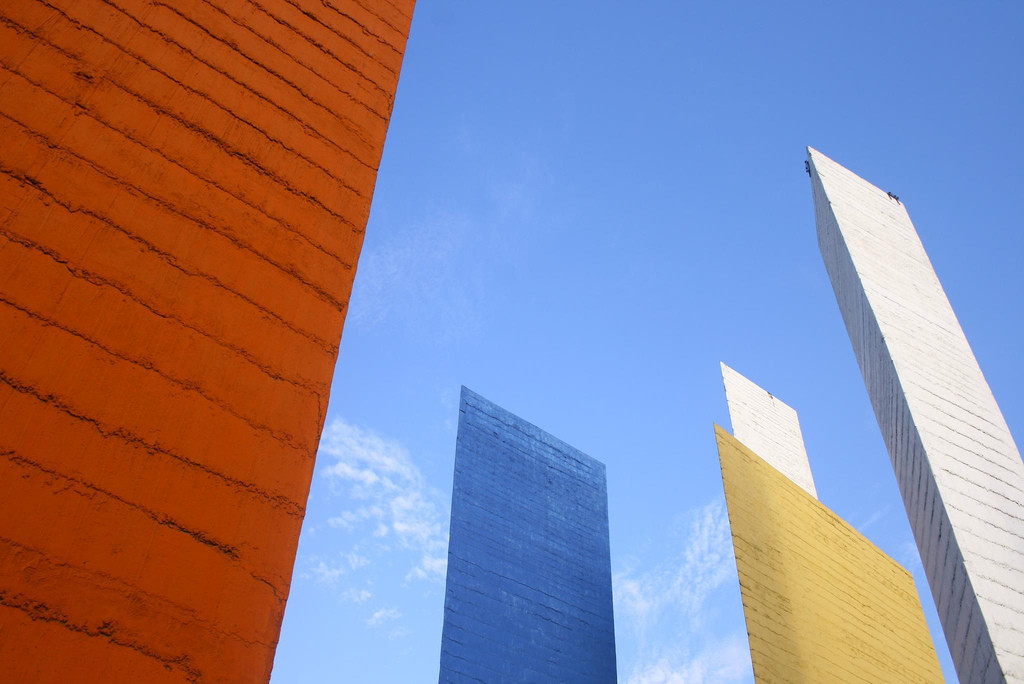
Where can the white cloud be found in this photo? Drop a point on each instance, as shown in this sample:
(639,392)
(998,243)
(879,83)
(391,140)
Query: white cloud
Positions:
(417,278)
(353,595)
(673,601)
(430,566)
(724,661)
(878,515)
(325,573)
(909,557)
(349,519)
(382,616)
(437,565)
(683,581)
(355,561)
(387,497)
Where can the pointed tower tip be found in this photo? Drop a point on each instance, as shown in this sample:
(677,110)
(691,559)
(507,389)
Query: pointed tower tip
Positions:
(726,373)
(815,156)
(834,176)
(467,394)
(734,378)
(768,427)
(815,162)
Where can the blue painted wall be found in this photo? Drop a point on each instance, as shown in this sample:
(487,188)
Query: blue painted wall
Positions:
(529,589)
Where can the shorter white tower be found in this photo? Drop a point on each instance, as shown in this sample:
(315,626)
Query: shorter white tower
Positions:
(768,427)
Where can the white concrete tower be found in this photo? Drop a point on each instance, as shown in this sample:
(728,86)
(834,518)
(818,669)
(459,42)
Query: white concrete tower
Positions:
(767,427)
(958,469)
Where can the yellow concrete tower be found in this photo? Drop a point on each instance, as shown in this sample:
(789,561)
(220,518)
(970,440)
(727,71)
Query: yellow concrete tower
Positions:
(822,603)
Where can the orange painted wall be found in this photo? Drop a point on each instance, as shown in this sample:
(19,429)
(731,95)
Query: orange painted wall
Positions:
(183,192)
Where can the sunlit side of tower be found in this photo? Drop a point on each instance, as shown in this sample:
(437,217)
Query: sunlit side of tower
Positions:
(769,427)
(822,603)
(184,188)
(528,595)
(958,468)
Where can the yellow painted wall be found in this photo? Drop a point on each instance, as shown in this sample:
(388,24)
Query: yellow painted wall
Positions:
(822,603)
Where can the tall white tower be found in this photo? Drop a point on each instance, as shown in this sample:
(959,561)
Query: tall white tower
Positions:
(958,469)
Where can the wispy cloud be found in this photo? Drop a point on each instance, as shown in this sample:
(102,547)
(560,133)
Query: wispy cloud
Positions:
(383,522)
(418,277)
(355,561)
(330,571)
(909,557)
(388,505)
(724,660)
(428,276)
(383,616)
(352,595)
(665,608)
(325,573)
(879,514)
(683,581)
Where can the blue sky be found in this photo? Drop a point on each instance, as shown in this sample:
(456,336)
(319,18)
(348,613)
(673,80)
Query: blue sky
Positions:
(582,208)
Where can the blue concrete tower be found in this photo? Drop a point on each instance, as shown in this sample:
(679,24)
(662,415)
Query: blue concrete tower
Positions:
(529,589)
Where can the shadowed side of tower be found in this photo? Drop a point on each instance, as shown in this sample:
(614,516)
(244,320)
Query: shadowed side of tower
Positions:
(183,193)
(957,466)
(528,594)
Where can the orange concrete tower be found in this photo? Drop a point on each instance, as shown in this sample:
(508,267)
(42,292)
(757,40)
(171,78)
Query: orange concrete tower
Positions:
(183,192)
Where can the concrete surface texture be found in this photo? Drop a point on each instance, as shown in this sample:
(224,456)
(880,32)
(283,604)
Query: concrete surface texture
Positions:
(768,427)
(528,593)
(822,603)
(957,466)
(183,193)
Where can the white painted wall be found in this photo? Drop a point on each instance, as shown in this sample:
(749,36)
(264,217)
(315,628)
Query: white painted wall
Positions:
(768,427)
(958,469)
